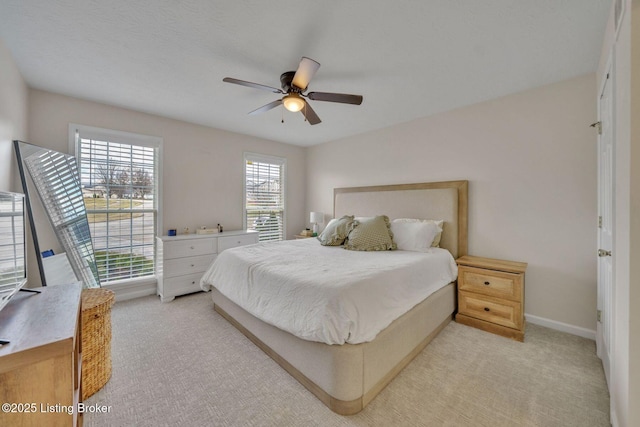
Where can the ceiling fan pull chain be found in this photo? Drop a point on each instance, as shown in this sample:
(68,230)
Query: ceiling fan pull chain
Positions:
(282,112)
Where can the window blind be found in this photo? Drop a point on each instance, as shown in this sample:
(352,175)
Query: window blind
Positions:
(119,182)
(264,196)
(12,262)
(55,176)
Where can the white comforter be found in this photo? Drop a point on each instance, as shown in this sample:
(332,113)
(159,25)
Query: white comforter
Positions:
(328,294)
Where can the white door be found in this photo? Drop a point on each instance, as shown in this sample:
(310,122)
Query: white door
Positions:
(605,224)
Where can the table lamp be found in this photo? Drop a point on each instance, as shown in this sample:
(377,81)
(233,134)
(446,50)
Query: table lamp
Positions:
(315,218)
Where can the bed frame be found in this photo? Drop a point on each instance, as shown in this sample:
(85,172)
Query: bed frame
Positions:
(347,377)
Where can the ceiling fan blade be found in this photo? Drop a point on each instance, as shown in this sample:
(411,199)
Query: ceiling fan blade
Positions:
(267,107)
(335,97)
(309,114)
(253,85)
(305,72)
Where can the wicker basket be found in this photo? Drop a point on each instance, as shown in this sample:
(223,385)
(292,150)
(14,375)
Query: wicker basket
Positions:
(96,339)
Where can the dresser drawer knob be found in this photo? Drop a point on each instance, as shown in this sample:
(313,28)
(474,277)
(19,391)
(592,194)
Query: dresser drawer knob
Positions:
(192,265)
(487,283)
(486,309)
(194,282)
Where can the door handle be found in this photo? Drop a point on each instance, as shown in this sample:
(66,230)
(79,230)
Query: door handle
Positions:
(603,253)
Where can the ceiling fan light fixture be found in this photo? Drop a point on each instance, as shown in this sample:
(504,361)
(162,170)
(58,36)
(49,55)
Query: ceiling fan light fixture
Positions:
(293,102)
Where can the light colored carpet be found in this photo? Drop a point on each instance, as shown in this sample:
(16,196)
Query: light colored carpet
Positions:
(180,363)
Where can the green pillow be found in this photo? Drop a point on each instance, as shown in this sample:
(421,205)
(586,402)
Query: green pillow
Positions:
(371,234)
(336,231)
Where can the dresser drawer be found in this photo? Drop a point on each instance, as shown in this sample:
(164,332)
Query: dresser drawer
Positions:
(228,242)
(498,284)
(495,310)
(180,266)
(189,247)
(181,285)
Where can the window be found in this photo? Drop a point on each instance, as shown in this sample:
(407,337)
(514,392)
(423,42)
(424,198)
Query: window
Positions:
(264,195)
(120,181)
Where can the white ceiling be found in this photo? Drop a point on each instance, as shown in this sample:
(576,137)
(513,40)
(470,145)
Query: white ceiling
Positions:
(409,59)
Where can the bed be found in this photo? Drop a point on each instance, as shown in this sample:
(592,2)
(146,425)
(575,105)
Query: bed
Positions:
(346,373)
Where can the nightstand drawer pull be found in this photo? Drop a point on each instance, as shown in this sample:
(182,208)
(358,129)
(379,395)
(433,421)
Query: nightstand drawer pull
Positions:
(487,283)
(486,309)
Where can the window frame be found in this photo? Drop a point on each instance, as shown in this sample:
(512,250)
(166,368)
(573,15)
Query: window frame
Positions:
(274,160)
(128,138)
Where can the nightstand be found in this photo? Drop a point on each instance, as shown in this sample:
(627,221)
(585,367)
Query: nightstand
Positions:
(491,295)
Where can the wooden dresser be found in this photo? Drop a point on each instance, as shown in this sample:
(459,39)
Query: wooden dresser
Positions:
(182,260)
(40,369)
(491,295)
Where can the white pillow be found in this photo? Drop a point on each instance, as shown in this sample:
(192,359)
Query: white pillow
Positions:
(414,236)
(439,223)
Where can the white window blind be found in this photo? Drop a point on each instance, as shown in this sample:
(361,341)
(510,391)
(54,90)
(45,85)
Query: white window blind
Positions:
(120,190)
(12,262)
(264,196)
(12,250)
(56,178)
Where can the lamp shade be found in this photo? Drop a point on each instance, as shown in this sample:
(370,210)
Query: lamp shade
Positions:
(316,217)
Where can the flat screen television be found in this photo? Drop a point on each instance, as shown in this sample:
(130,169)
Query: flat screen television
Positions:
(13,271)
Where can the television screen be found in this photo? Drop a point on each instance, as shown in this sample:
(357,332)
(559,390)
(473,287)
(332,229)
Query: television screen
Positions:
(13,272)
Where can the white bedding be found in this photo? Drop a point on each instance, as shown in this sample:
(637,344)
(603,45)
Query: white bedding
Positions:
(328,294)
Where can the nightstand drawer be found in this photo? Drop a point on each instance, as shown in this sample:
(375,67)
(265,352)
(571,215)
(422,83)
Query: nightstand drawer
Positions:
(190,247)
(494,310)
(498,284)
(180,266)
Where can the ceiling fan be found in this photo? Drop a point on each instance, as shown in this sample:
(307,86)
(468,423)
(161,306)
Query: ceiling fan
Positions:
(294,85)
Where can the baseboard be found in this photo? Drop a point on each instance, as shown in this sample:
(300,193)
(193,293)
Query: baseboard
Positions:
(125,291)
(560,326)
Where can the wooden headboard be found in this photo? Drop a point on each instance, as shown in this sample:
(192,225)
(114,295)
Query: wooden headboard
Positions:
(446,200)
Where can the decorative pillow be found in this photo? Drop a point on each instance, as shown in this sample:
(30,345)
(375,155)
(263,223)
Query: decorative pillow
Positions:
(336,231)
(371,234)
(414,236)
(439,223)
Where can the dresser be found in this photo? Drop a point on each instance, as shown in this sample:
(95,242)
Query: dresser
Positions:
(182,260)
(41,367)
(491,295)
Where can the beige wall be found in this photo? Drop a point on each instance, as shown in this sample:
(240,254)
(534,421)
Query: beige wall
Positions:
(13,117)
(530,159)
(202,168)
